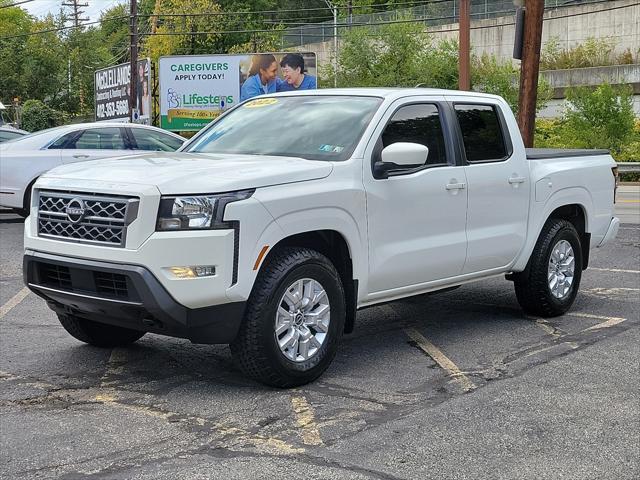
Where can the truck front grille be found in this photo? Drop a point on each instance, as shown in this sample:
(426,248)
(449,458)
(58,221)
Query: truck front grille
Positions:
(85,218)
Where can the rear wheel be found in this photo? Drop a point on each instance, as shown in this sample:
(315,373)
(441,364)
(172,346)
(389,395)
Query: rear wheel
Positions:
(294,319)
(550,284)
(98,334)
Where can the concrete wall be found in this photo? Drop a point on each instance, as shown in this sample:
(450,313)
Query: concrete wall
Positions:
(570,25)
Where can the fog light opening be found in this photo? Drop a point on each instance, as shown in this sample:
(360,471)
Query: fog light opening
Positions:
(197,271)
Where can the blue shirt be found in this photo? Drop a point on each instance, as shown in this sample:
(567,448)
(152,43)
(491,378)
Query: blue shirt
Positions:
(308,83)
(252,87)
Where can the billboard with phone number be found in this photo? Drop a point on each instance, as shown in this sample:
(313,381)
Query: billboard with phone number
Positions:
(112,91)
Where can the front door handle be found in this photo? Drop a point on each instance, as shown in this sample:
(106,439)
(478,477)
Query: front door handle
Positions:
(513,180)
(456,186)
(80,155)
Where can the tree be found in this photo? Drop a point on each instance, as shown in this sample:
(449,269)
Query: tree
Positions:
(165,43)
(38,116)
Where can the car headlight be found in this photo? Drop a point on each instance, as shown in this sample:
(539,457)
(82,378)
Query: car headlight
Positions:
(196,211)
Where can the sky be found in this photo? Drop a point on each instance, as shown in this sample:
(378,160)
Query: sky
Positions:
(40,8)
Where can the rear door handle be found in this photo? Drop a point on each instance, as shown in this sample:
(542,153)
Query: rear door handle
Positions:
(456,186)
(81,156)
(513,180)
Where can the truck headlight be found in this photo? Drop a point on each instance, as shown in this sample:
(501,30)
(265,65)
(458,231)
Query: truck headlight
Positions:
(196,211)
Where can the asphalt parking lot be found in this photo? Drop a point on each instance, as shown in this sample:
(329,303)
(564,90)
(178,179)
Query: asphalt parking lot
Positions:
(456,385)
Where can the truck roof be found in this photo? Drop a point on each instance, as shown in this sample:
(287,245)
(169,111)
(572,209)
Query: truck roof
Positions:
(389,93)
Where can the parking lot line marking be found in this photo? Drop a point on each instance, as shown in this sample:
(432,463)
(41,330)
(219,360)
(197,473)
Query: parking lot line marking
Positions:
(440,358)
(616,270)
(306,421)
(627,201)
(14,301)
(607,321)
(596,317)
(607,324)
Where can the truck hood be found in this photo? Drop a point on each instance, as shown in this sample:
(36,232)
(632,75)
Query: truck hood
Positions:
(175,173)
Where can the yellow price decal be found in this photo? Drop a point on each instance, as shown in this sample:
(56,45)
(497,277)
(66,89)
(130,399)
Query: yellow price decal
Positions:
(261,102)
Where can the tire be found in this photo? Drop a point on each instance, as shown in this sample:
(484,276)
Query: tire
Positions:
(98,334)
(257,348)
(533,286)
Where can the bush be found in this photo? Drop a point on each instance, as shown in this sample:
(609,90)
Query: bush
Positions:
(600,118)
(490,75)
(38,116)
(592,53)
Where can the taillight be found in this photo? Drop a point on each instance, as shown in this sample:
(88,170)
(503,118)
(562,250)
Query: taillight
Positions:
(616,177)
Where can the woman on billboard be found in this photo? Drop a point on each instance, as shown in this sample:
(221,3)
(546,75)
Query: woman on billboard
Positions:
(295,75)
(262,77)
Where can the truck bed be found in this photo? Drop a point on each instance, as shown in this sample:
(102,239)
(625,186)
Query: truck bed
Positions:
(547,153)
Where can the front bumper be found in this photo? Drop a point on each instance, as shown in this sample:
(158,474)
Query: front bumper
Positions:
(128,296)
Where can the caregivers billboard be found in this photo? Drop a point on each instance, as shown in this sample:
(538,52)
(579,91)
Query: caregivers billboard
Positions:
(112,87)
(195,89)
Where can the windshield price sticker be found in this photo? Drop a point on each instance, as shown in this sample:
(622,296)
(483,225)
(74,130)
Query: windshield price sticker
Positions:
(261,102)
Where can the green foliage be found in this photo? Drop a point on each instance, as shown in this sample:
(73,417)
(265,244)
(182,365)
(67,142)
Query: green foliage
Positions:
(592,53)
(399,55)
(598,118)
(404,55)
(38,116)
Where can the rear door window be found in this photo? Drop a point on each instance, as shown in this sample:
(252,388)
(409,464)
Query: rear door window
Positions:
(482,133)
(98,139)
(146,139)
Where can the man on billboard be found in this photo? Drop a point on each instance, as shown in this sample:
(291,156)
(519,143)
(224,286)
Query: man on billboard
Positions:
(262,77)
(295,75)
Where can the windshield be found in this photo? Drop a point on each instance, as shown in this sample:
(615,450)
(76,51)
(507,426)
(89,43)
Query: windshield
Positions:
(312,127)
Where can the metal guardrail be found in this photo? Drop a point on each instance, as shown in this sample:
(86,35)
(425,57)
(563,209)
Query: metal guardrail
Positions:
(628,167)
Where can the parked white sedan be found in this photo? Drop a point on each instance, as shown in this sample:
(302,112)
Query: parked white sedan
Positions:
(23,160)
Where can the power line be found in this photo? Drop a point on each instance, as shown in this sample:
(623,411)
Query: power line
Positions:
(295,10)
(341,25)
(15,4)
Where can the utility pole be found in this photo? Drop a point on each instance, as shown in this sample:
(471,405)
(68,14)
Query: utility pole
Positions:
(529,69)
(464,58)
(334,8)
(133,33)
(350,12)
(76,13)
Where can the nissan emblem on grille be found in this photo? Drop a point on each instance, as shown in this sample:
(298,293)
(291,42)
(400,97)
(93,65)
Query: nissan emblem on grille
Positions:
(75,210)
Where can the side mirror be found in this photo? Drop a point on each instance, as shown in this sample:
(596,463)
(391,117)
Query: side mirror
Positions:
(400,155)
(405,154)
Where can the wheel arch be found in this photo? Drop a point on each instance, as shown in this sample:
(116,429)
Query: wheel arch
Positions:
(335,246)
(573,204)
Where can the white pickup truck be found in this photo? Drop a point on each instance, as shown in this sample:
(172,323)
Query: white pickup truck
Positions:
(277,222)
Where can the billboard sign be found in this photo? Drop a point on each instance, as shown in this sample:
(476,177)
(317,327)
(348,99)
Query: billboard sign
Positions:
(195,89)
(112,87)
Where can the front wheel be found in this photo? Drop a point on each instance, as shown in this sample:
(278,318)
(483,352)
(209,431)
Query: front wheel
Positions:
(294,319)
(550,284)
